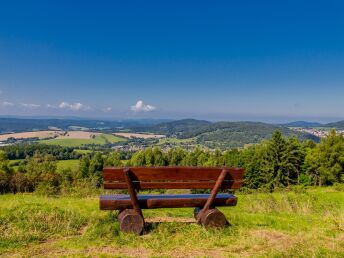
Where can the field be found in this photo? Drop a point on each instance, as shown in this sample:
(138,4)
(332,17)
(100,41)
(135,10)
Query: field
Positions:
(77,140)
(140,135)
(304,223)
(34,134)
(67,164)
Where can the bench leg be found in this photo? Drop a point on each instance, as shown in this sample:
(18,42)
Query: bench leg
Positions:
(211,218)
(131,222)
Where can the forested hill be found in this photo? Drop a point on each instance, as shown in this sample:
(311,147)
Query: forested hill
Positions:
(338,125)
(10,124)
(222,134)
(304,124)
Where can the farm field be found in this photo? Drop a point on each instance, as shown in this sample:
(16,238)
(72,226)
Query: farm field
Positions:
(77,140)
(140,135)
(33,134)
(305,223)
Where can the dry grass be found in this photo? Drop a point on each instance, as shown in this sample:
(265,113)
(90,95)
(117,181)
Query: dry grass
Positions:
(25,135)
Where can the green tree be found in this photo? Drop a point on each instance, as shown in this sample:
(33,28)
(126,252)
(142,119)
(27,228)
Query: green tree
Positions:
(325,163)
(5,173)
(113,159)
(282,161)
(41,168)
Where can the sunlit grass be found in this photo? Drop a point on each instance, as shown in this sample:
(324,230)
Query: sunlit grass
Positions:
(304,224)
(72,142)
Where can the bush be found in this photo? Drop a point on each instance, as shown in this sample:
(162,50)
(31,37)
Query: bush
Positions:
(338,187)
(46,188)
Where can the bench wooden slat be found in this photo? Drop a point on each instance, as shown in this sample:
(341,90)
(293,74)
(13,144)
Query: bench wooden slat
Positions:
(172,173)
(119,202)
(174,185)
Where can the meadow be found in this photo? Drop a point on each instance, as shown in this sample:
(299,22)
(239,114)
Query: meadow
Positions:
(299,223)
(100,139)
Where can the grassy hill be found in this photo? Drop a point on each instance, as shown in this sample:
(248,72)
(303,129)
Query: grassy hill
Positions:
(289,224)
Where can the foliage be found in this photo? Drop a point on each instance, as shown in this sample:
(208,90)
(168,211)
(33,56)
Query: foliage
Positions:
(21,151)
(325,163)
(272,164)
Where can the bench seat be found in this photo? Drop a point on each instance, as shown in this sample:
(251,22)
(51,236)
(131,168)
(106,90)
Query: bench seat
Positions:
(149,201)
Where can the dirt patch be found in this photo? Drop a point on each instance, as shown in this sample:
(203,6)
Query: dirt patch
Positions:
(274,239)
(216,252)
(140,135)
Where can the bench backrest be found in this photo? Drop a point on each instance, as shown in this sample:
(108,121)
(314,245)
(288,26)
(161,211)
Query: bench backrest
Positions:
(172,177)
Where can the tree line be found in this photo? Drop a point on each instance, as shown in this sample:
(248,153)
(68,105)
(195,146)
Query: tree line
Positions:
(272,164)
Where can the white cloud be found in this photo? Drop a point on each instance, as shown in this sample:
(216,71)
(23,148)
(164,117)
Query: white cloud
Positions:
(51,106)
(141,107)
(7,104)
(77,106)
(30,105)
(108,109)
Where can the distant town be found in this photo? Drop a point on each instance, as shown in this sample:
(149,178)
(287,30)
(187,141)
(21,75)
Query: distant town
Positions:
(319,132)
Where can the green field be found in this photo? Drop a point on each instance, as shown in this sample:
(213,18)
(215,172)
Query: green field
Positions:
(67,164)
(291,224)
(174,140)
(72,142)
(82,151)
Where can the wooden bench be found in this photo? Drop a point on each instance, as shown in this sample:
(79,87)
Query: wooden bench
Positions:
(135,179)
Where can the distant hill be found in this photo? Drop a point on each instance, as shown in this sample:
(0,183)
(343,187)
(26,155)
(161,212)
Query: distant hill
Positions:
(185,128)
(338,125)
(9,124)
(214,135)
(222,134)
(303,124)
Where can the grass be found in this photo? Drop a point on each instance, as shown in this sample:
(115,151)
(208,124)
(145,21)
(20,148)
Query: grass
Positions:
(67,164)
(72,142)
(83,151)
(303,224)
(173,140)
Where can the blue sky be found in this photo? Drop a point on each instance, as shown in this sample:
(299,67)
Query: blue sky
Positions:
(216,60)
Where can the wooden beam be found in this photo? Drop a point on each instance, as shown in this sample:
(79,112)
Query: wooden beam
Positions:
(212,194)
(132,192)
(121,202)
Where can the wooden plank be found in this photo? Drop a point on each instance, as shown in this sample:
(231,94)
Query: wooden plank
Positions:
(120,202)
(172,173)
(174,185)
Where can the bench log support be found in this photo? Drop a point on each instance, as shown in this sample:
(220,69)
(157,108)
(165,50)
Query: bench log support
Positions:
(212,218)
(206,213)
(131,222)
